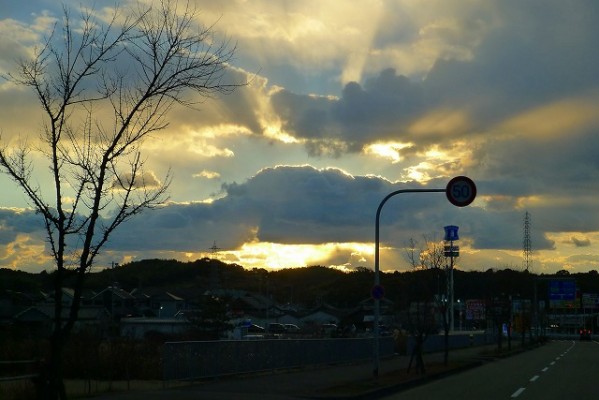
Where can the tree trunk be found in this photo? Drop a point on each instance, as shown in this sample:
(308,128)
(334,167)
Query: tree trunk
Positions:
(417,356)
(50,384)
(445,337)
(446,345)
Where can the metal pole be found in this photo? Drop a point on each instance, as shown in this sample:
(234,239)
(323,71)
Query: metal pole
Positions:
(377,281)
(451,297)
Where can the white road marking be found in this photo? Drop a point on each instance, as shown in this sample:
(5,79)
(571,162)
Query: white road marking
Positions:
(534,378)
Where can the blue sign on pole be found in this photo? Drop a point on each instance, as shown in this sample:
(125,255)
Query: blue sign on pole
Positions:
(451,233)
(562,290)
(377,292)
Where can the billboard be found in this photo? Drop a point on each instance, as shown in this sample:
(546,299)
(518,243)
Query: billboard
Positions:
(562,290)
(475,310)
(562,293)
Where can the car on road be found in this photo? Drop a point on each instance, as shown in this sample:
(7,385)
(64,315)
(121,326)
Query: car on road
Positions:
(276,328)
(585,334)
(253,328)
(292,328)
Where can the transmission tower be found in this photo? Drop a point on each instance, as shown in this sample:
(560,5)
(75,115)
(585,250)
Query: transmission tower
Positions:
(526,248)
(214,249)
(214,278)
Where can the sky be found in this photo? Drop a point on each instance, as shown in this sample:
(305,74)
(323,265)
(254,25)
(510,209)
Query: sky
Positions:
(347,102)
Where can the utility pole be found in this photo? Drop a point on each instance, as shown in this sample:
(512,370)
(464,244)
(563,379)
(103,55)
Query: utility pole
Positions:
(451,251)
(526,245)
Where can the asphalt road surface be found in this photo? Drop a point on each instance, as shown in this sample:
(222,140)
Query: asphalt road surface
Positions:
(559,370)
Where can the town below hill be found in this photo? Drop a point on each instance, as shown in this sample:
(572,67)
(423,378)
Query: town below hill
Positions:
(215,296)
(308,286)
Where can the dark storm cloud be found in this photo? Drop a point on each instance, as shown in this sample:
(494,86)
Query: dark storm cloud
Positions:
(14,222)
(297,205)
(526,63)
(379,110)
(294,205)
(503,230)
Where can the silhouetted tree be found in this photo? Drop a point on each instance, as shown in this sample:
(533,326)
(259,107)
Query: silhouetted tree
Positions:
(103,87)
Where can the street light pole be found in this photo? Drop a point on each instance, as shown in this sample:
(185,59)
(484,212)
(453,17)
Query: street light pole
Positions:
(460,192)
(377,280)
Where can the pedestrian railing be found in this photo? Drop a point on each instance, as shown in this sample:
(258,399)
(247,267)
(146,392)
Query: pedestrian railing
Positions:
(196,360)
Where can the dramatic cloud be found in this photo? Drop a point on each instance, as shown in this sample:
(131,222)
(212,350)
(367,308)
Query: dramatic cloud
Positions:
(346,102)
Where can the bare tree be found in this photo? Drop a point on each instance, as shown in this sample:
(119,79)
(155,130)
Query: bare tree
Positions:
(428,256)
(104,86)
(412,254)
(432,256)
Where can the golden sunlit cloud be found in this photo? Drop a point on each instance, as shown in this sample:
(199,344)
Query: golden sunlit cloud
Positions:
(221,130)
(25,253)
(277,256)
(441,123)
(390,150)
(199,141)
(438,162)
(418,172)
(556,119)
(275,132)
(207,174)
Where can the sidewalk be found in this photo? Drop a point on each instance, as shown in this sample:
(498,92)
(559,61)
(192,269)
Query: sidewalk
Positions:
(348,381)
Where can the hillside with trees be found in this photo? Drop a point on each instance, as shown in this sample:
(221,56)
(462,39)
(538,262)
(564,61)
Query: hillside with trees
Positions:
(308,286)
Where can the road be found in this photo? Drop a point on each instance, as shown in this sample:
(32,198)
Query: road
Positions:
(559,370)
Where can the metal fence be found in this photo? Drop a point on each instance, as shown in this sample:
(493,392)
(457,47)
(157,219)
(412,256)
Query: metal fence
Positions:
(17,370)
(195,360)
(435,343)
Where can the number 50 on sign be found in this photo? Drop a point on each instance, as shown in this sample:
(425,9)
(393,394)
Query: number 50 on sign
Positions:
(461,191)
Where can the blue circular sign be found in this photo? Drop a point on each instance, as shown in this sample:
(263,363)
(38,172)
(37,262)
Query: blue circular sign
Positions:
(377,292)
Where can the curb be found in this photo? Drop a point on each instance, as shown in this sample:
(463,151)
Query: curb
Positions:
(387,390)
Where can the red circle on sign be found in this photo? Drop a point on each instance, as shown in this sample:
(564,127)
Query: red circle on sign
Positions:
(460,191)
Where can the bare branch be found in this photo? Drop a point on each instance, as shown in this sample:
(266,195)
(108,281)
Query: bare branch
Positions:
(412,254)
(433,255)
(103,87)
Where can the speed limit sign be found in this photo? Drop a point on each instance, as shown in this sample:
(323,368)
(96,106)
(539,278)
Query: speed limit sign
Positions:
(461,191)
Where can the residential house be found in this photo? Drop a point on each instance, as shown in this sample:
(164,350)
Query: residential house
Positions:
(13,302)
(117,301)
(323,314)
(38,320)
(141,327)
(254,307)
(157,303)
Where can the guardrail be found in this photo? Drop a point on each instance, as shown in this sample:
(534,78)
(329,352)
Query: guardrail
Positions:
(196,360)
(435,343)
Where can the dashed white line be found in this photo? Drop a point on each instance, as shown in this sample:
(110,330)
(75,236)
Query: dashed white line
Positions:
(534,378)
